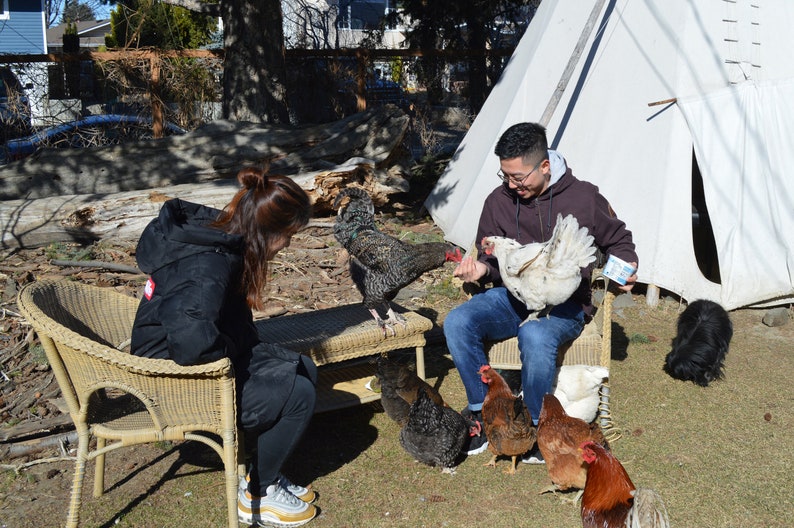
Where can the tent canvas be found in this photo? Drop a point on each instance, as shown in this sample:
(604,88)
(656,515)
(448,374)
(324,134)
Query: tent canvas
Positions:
(722,68)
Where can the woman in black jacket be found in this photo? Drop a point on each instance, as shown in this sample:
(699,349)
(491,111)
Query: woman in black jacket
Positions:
(207,269)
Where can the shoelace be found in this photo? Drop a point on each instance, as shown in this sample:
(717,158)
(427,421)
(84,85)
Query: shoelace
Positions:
(283,495)
(284,482)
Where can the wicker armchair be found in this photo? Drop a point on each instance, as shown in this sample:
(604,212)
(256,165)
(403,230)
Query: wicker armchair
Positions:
(121,399)
(592,347)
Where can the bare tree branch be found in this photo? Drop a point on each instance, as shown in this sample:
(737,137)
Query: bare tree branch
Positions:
(196,5)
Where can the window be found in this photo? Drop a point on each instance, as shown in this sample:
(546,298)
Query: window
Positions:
(363,14)
(4,10)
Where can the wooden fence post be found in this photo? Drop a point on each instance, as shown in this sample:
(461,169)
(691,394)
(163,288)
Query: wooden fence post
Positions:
(362,58)
(154,96)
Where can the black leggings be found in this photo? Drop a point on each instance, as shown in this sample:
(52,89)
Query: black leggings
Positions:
(275,445)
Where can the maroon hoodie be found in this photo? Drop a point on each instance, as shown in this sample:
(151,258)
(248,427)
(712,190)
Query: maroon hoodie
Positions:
(505,214)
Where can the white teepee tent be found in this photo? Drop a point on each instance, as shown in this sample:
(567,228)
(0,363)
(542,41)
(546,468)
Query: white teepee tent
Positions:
(722,71)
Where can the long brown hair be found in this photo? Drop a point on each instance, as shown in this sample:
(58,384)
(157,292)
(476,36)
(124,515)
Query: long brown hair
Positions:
(267,209)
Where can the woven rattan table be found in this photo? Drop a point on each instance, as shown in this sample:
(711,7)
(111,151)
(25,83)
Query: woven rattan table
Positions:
(340,340)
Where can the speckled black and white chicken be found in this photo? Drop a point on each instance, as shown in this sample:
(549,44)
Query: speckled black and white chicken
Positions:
(381,265)
(399,386)
(434,434)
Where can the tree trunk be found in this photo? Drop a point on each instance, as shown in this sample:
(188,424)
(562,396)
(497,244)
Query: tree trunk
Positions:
(477,64)
(254,77)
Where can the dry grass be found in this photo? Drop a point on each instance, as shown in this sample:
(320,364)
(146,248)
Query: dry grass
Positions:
(711,453)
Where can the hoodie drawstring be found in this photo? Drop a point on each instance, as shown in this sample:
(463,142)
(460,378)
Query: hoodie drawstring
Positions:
(518,208)
(551,197)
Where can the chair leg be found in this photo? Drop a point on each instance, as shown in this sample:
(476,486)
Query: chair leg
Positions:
(231,469)
(73,518)
(99,472)
(420,361)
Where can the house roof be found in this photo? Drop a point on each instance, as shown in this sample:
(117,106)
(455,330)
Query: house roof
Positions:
(91,33)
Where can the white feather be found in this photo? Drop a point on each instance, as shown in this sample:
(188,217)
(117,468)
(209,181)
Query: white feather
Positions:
(577,389)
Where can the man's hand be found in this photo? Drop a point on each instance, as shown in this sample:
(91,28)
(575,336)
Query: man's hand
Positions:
(630,281)
(470,270)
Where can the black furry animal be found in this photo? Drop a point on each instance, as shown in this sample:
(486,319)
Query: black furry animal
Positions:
(434,434)
(381,265)
(700,347)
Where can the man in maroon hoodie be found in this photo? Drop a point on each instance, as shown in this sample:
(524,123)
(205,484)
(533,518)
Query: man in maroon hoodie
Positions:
(536,186)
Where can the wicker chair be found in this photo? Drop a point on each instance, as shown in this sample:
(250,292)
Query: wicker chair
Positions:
(592,347)
(121,399)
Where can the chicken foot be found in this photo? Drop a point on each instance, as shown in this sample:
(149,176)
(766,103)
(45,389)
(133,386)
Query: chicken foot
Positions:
(393,318)
(554,489)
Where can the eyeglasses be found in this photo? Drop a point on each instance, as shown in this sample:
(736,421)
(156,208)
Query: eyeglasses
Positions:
(520,179)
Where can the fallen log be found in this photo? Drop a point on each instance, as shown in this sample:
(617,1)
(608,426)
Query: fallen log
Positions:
(30,429)
(89,218)
(36,445)
(215,151)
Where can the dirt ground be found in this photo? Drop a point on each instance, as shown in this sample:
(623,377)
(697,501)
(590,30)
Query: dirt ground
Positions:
(311,274)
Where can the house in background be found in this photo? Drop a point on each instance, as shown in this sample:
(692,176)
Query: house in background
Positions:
(329,24)
(23,31)
(336,24)
(22,26)
(90,32)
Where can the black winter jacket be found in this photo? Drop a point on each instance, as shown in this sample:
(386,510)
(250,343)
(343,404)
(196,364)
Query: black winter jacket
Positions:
(194,311)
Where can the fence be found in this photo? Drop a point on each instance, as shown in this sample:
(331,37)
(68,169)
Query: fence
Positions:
(185,86)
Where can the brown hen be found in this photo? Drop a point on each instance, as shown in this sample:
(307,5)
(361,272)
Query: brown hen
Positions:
(559,438)
(505,420)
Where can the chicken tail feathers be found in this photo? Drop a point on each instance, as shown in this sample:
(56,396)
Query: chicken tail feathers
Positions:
(570,244)
(520,410)
(648,510)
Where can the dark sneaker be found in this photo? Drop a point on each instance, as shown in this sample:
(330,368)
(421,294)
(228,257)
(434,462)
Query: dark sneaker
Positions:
(474,444)
(533,456)
(469,414)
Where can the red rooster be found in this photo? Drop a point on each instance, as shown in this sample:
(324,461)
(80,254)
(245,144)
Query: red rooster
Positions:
(610,499)
(505,420)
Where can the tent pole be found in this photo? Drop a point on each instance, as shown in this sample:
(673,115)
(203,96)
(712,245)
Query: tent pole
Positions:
(568,72)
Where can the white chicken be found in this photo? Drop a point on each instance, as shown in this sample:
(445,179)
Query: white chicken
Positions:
(577,389)
(544,274)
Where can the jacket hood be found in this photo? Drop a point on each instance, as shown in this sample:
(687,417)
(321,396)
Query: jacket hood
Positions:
(558,166)
(180,230)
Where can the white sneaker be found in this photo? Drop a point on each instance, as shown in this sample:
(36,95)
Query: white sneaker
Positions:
(278,507)
(306,494)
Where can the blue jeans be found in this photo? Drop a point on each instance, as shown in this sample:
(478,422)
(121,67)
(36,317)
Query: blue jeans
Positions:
(495,315)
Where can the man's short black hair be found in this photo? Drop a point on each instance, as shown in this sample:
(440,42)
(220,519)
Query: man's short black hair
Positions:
(525,140)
